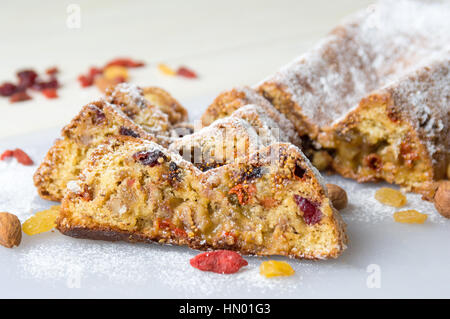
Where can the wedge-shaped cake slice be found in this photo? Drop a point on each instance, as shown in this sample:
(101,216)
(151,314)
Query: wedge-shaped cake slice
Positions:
(245,131)
(400,133)
(271,204)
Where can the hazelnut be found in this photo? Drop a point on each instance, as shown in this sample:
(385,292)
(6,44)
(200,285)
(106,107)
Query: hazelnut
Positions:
(338,196)
(10,230)
(442,199)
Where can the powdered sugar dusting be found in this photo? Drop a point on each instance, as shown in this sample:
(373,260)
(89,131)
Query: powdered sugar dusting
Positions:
(368,51)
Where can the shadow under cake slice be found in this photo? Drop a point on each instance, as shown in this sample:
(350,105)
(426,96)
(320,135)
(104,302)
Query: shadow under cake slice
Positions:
(271,204)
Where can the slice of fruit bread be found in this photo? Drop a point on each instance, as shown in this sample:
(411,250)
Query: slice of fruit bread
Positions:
(245,131)
(271,204)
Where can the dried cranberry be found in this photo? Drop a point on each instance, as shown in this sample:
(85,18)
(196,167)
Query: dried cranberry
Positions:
(149,158)
(19,97)
(125,62)
(175,171)
(185,72)
(20,156)
(8,89)
(6,154)
(220,261)
(251,173)
(299,171)
(26,78)
(311,213)
(43,85)
(127,132)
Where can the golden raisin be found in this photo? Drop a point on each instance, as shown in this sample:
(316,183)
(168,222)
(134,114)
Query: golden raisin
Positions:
(165,69)
(114,72)
(410,217)
(41,222)
(273,268)
(391,197)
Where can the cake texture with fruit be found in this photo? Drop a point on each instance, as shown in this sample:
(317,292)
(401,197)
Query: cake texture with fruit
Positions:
(400,133)
(131,115)
(245,131)
(272,203)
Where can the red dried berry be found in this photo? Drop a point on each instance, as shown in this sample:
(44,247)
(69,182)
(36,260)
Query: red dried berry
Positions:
(26,78)
(220,261)
(19,97)
(20,156)
(125,62)
(8,89)
(185,72)
(52,71)
(50,93)
(149,158)
(6,154)
(311,213)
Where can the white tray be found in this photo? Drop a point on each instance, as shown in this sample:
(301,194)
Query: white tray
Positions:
(384,258)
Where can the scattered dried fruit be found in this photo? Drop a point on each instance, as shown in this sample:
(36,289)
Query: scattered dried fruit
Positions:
(391,197)
(50,93)
(10,230)
(165,69)
(125,62)
(273,268)
(41,222)
(185,72)
(410,217)
(338,196)
(311,214)
(442,199)
(244,192)
(220,261)
(19,97)
(19,155)
(52,71)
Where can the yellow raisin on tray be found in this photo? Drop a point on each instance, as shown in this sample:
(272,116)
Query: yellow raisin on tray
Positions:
(41,222)
(273,268)
(410,217)
(391,197)
(165,69)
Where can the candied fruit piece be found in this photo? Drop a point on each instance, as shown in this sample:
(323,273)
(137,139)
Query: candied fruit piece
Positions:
(219,261)
(244,192)
(50,93)
(165,69)
(114,71)
(125,62)
(273,268)
(410,217)
(19,97)
(391,197)
(41,222)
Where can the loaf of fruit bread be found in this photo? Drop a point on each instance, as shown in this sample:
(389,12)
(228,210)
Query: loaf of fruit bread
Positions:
(245,131)
(400,133)
(273,203)
(131,114)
